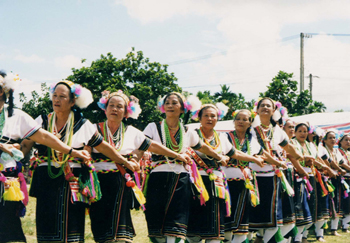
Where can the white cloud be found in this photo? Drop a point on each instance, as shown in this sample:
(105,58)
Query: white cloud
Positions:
(68,61)
(253,55)
(29,59)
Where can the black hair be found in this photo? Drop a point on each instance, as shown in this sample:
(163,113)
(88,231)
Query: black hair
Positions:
(187,114)
(251,119)
(339,145)
(272,121)
(71,95)
(125,106)
(325,137)
(179,98)
(200,113)
(302,124)
(10,98)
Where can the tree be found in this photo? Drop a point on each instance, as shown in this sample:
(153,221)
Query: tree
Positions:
(205,97)
(283,89)
(38,104)
(232,100)
(134,75)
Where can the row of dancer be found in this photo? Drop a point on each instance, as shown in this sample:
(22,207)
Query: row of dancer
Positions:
(324,194)
(173,213)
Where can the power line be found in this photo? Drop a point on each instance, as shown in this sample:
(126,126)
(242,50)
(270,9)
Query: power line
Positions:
(225,52)
(327,34)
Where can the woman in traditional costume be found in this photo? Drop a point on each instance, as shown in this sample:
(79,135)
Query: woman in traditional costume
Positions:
(168,186)
(308,192)
(60,211)
(289,128)
(243,193)
(335,158)
(110,216)
(344,146)
(207,221)
(268,217)
(16,125)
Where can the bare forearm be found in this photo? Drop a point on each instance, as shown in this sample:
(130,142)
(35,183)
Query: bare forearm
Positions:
(26,146)
(345,166)
(271,160)
(290,149)
(295,163)
(205,149)
(335,166)
(162,150)
(239,155)
(110,152)
(48,139)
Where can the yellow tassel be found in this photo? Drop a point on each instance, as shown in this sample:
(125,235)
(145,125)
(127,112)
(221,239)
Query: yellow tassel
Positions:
(13,193)
(330,189)
(253,199)
(139,195)
(204,191)
(325,226)
(212,177)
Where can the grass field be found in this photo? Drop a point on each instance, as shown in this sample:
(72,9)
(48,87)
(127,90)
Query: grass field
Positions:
(28,224)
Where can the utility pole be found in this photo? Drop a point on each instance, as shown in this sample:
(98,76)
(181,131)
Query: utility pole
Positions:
(301,62)
(302,36)
(310,84)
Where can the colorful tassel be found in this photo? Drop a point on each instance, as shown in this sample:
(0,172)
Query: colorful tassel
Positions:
(138,184)
(198,182)
(23,187)
(285,185)
(278,236)
(319,179)
(13,191)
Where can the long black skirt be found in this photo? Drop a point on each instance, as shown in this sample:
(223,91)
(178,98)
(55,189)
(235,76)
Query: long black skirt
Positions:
(238,222)
(207,221)
(10,222)
(346,201)
(302,209)
(57,218)
(318,203)
(110,216)
(268,213)
(336,201)
(288,201)
(168,204)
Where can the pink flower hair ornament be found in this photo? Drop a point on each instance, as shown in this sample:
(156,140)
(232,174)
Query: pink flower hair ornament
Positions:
(9,82)
(191,103)
(83,96)
(133,107)
(220,107)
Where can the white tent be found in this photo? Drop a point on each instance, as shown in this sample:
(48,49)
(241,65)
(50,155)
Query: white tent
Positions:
(338,120)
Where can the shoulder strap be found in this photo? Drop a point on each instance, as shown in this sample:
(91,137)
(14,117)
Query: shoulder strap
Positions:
(196,158)
(159,129)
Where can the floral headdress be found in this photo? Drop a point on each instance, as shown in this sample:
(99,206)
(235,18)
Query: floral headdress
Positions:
(192,103)
(9,82)
(252,113)
(338,134)
(280,111)
(132,104)
(83,96)
(342,136)
(220,107)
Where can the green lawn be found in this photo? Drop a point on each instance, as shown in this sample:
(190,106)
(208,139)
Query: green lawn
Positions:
(28,223)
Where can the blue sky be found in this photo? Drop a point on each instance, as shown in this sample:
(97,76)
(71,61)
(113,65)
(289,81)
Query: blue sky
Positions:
(43,40)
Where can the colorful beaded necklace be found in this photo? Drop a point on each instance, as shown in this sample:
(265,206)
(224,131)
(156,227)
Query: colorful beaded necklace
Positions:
(239,146)
(216,140)
(68,140)
(118,140)
(169,140)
